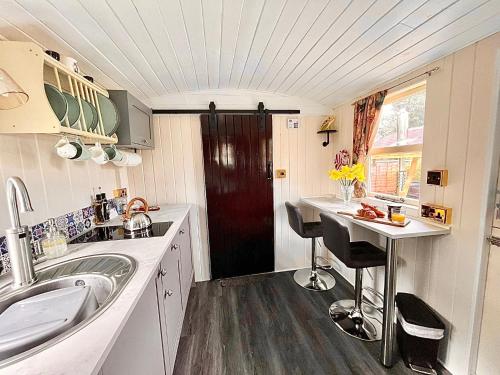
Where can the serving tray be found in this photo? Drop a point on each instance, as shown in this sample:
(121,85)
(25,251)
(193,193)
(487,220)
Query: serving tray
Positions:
(378,220)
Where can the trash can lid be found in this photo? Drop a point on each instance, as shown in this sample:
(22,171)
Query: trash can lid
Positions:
(417,318)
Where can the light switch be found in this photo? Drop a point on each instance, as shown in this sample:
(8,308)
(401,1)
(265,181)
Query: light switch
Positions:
(280,173)
(293,123)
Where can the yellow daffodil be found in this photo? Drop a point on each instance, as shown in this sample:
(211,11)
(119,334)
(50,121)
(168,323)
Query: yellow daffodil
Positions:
(356,172)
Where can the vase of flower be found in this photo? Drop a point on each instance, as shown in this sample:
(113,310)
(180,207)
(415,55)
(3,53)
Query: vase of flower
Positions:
(346,193)
(347,177)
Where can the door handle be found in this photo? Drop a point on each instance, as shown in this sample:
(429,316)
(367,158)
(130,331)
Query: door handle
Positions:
(269,170)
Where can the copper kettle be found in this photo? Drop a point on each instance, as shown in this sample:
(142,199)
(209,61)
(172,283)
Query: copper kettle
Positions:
(137,221)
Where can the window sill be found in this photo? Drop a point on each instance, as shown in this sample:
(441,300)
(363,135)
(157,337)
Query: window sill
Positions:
(413,208)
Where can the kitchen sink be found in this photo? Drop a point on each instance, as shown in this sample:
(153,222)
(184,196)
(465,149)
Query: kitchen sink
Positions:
(106,274)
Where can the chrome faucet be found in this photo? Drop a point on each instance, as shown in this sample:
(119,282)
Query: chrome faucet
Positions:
(18,236)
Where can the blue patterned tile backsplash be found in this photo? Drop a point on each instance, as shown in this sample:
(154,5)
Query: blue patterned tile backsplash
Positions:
(72,224)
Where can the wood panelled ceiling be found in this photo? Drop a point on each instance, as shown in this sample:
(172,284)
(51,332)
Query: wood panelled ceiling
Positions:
(325,50)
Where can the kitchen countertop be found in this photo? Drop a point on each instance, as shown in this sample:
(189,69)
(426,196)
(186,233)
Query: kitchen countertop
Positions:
(85,351)
(416,228)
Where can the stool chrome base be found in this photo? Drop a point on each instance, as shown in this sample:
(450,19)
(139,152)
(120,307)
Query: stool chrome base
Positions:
(366,326)
(322,281)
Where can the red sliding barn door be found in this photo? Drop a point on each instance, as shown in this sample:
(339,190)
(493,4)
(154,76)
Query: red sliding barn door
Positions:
(237,152)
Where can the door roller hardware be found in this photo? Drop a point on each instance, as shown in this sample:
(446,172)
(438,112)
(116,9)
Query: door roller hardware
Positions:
(495,241)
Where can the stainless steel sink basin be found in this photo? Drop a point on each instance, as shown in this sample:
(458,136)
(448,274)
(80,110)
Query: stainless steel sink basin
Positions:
(107,274)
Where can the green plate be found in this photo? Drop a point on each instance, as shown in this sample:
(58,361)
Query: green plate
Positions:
(73,110)
(109,114)
(91,118)
(57,102)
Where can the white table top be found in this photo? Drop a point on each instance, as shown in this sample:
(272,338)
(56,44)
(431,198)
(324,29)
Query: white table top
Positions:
(416,228)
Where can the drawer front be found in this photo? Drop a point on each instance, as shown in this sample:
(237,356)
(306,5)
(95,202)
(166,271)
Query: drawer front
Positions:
(172,300)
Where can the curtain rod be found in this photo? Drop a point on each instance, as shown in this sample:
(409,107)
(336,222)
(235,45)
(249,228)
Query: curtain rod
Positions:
(427,73)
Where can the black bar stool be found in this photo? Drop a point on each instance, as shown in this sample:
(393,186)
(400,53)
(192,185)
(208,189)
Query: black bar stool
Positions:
(360,320)
(314,278)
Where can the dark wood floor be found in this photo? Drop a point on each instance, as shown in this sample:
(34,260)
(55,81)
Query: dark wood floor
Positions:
(267,324)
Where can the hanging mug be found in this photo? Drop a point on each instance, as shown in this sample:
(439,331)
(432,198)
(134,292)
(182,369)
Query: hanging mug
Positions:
(98,155)
(72,150)
(129,160)
(113,153)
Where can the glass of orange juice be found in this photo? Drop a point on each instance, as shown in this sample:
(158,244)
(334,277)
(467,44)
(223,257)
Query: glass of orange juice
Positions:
(398,217)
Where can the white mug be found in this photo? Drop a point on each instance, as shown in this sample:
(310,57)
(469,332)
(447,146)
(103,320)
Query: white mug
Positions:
(129,160)
(71,63)
(71,150)
(98,155)
(65,149)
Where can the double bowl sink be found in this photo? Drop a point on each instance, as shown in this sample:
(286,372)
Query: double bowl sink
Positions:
(105,274)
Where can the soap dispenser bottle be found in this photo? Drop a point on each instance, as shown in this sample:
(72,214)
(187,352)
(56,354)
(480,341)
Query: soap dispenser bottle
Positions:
(54,241)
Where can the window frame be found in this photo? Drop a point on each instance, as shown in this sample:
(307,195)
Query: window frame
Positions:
(395,150)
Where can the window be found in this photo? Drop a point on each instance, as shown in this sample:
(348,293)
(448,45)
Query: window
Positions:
(396,156)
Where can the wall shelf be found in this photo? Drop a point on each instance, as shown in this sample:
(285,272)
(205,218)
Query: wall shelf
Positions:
(327,132)
(31,67)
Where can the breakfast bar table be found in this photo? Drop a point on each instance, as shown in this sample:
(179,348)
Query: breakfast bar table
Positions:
(416,228)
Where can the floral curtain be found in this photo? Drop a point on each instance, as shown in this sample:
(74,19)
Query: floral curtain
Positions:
(366,114)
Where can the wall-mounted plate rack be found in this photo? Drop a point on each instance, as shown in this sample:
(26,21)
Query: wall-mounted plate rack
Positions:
(31,67)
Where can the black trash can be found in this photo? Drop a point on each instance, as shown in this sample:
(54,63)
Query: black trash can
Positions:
(419,332)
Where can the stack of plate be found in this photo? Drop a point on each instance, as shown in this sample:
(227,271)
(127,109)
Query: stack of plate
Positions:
(66,106)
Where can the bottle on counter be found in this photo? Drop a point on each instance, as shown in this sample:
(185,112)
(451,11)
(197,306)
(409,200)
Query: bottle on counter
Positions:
(98,210)
(54,243)
(105,207)
(120,196)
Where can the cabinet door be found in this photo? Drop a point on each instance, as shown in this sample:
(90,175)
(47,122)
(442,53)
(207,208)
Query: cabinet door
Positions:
(186,261)
(160,291)
(172,298)
(140,126)
(138,349)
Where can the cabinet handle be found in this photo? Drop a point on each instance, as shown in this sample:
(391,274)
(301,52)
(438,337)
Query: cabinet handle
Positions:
(269,170)
(168,293)
(182,231)
(174,247)
(162,272)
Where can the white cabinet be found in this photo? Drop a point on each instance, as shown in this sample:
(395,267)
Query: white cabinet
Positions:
(138,349)
(184,241)
(169,299)
(149,341)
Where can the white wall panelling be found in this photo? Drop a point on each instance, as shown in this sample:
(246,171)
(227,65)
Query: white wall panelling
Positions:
(56,186)
(460,114)
(173,173)
(324,50)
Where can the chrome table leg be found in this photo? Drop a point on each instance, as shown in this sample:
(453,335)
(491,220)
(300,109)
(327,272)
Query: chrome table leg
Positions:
(389,303)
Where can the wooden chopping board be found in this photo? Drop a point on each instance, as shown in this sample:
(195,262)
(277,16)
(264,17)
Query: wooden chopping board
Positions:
(378,220)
